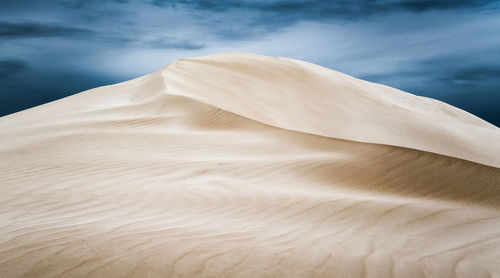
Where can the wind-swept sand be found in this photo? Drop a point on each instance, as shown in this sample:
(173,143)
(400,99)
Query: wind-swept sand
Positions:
(240,165)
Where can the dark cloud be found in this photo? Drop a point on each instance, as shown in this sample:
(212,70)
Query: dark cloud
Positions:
(40,30)
(10,30)
(462,74)
(246,19)
(11,68)
(321,8)
(29,30)
(475,74)
(424,5)
(359,8)
(174,43)
(86,3)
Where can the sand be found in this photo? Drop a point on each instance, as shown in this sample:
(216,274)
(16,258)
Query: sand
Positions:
(241,165)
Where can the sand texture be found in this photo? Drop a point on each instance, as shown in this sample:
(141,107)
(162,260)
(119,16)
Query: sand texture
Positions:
(241,165)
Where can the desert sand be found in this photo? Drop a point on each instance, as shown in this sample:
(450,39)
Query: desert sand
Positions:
(242,165)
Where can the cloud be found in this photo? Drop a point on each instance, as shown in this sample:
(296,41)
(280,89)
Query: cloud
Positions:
(174,43)
(30,30)
(245,19)
(85,3)
(321,8)
(11,67)
(475,74)
(449,75)
(416,5)
(42,31)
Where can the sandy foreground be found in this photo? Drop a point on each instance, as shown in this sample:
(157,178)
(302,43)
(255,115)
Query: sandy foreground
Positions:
(241,165)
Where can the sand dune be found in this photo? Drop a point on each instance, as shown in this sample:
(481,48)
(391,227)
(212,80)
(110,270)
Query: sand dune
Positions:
(240,165)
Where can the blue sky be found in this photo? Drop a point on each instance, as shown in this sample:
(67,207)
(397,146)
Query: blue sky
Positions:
(448,50)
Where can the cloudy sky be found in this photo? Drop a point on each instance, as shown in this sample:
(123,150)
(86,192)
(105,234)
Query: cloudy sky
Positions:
(449,50)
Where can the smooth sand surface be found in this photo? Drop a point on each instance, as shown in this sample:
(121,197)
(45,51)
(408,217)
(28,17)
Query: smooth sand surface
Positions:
(241,165)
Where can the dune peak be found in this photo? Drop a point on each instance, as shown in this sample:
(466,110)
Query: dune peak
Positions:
(297,95)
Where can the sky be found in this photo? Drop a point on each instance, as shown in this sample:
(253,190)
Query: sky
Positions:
(447,50)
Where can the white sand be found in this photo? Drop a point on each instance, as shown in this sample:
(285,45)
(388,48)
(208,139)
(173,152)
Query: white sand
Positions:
(240,165)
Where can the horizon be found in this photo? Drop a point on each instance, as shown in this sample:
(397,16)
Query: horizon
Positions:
(445,50)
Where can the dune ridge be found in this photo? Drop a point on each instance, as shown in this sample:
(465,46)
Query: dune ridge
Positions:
(241,165)
(280,91)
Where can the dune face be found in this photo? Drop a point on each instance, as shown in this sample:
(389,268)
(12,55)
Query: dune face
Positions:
(241,165)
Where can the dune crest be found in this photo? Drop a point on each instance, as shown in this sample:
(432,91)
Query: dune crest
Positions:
(241,165)
(300,96)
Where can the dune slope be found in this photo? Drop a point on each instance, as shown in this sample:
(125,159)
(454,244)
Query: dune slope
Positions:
(241,165)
